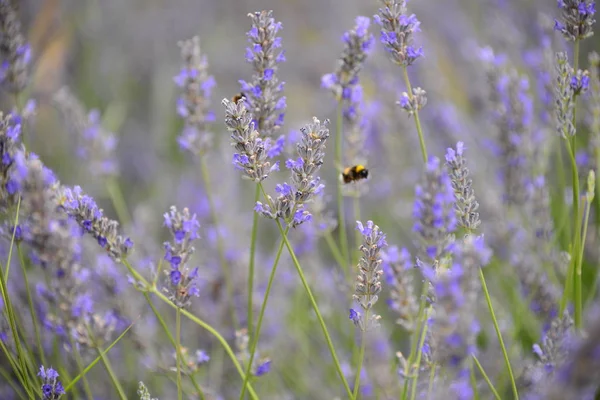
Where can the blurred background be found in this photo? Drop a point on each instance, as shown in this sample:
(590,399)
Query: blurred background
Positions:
(120,57)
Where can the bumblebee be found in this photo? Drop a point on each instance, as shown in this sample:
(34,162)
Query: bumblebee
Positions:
(238,97)
(354,173)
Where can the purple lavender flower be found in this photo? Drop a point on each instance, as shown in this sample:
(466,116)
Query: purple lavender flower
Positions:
(413,103)
(466,205)
(564,96)
(290,202)
(397,29)
(345,86)
(453,325)
(344,81)
(511,108)
(83,209)
(95,145)
(52,388)
(181,280)
(368,284)
(10,132)
(580,82)
(576,19)
(397,266)
(434,215)
(264,93)
(14,51)
(193,105)
(251,150)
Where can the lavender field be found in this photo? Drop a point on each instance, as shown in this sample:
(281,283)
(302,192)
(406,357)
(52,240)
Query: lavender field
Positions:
(318,199)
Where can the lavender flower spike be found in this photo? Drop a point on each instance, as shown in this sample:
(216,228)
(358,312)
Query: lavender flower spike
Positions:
(14,51)
(368,281)
(344,81)
(397,29)
(52,388)
(264,93)
(84,210)
(193,105)
(576,19)
(466,204)
(289,205)
(564,96)
(435,219)
(95,145)
(251,151)
(181,280)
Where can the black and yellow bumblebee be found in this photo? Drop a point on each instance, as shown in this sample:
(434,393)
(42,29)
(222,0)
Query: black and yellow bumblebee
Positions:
(238,97)
(355,173)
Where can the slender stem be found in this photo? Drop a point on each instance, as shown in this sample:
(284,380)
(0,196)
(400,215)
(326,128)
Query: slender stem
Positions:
(86,384)
(34,319)
(72,383)
(416,116)
(177,351)
(12,238)
(335,252)
(357,234)
(118,200)
(413,390)
(578,283)
(13,325)
(260,317)
(499,335)
(486,378)
(343,238)
(195,320)
(473,382)
(220,247)
(111,374)
(575,246)
(315,307)
(361,358)
(163,324)
(431,379)
(253,237)
(9,379)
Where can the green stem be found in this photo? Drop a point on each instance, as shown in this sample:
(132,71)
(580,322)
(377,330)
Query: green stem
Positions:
(78,361)
(486,378)
(474,382)
(12,238)
(361,358)
(34,319)
(220,247)
(431,379)
(413,390)
(575,246)
(163,324)
(111,374)
(195,320)
(335,252)
(578,272)
(357,234)
(118,201)
(499,335)
(253,237)
(416,339)
(177,351)
(343,238)
(315,308)
(260,317)
(416,116)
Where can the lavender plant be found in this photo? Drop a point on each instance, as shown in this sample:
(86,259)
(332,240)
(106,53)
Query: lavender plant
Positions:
(513,316)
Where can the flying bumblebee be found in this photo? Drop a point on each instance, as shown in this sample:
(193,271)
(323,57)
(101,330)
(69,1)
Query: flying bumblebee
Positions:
(355,173)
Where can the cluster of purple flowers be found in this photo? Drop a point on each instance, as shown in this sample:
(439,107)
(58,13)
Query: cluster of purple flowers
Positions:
(181,285)
(289,205)
(193,105)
